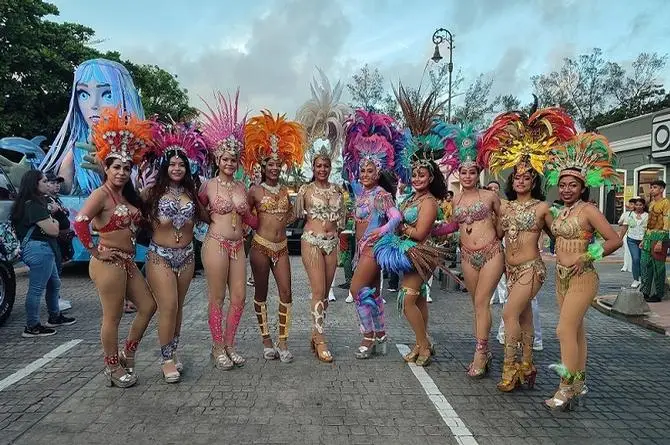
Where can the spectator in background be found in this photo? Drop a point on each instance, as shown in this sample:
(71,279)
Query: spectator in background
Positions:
(37,230)
(627,260)
(632,228)
(65,233)
(494,186)
(655,244)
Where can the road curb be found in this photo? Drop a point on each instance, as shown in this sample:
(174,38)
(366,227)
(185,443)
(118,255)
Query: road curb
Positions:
(642,320)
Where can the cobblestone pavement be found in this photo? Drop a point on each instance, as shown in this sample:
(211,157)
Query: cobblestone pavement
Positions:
(350,401)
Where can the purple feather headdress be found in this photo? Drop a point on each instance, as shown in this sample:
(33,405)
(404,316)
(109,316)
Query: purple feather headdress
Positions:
(182,138)
(222,129)
(371,137)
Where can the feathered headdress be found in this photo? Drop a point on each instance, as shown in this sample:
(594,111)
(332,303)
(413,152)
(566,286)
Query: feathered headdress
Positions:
(586,156)
(516,140)
(121,135)
(371,137)
(222,128)
(323,117)
(423,145)
(461,146)
(181,138)
(267,137)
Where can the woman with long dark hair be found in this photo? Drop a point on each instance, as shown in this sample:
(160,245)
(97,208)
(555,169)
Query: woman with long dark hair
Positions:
(273,143)
(222,252)
(321,204)
(38,231)
(411,254)
(172,208)
(523,143)
(475,212)
(371,143)
(114,209)
(586,161)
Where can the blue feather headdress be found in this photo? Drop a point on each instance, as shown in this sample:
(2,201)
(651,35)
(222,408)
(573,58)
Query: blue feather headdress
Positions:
(462,143)
(423,145)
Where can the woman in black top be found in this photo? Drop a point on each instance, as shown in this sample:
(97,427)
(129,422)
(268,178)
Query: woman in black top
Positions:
(37,231)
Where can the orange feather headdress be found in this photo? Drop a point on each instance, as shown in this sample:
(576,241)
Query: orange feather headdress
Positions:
(267,137)
(122,136)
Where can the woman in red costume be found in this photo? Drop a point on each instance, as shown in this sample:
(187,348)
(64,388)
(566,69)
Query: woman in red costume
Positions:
(114,211)
(223,249)
(273,143)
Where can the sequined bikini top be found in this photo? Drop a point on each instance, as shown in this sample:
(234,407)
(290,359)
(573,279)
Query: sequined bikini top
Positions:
(326,204)
(229,199)
(410,209)
(520,217)
(171,209)
(274,204)
(477,211)
(567,226)
(122,218)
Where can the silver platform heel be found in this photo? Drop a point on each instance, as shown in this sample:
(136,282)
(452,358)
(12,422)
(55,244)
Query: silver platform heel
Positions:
(365,352)
(381,345)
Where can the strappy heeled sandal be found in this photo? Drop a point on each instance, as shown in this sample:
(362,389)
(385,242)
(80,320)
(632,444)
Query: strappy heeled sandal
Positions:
(364,351)
(412,355)
(320,349)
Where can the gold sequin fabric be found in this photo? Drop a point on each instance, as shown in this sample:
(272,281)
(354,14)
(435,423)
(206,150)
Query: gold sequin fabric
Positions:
(566,278)
(519,218)
(515,272)
(272,250)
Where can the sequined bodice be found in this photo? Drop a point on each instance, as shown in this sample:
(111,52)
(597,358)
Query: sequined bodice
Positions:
(567,225)
(274,204)
(325,204)
(123,217)
(477,211)
(229,198)
(171,209)
(520,217)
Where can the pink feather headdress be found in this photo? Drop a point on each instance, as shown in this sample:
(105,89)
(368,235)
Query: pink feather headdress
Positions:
(221,127)
(371,137)
(181,138)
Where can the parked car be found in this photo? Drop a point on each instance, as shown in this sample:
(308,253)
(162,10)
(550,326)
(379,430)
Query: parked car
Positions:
(7,276)
(294,232)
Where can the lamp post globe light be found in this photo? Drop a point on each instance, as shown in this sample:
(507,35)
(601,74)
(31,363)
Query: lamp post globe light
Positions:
(440,36)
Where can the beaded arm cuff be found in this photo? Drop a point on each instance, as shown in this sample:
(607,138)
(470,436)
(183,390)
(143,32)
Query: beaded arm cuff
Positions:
(83,230)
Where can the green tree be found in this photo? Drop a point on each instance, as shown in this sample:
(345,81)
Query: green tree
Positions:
(161,93)
(476,106)
(367,88)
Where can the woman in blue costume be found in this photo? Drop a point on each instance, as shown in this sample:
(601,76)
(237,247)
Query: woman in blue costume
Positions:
(98,84)
(410,252)
(371,142)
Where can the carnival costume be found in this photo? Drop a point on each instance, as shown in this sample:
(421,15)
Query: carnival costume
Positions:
(223,131)
(117,136)
(323,118)
(170,140)
(521,144)
(652,264)
(587,157)
(279,139)
(371,138)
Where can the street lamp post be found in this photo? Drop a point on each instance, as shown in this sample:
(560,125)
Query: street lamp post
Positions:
(440,36)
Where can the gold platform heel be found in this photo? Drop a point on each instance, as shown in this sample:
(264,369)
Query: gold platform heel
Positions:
(412,355)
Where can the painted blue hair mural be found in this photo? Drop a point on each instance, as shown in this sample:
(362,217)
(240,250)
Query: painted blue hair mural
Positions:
(98,83)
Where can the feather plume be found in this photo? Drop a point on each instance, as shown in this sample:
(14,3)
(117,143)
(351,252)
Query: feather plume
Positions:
(516,140)
(266,136)
(179,137)
(122,136)
(587,156)
(222,128)
(461,145)
(371,137)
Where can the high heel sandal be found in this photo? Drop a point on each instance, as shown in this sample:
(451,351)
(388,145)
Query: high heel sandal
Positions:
(127,361)
(529,373)
(364,351)
(424,358)
(112,365)
(381,345)
(565,399)
(412,355)
(482,347)
(285,356)
(511,379)
(237,359)
(270,353)
(320,349)
(177,363)
(172,376)
(221,359)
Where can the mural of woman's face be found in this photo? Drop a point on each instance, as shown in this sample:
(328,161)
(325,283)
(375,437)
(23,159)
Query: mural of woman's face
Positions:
(92,98)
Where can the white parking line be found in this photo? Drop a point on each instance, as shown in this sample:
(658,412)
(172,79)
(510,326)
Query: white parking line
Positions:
(37,364)
(461,432)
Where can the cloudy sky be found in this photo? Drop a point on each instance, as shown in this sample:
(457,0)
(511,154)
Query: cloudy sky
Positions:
(270,47)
